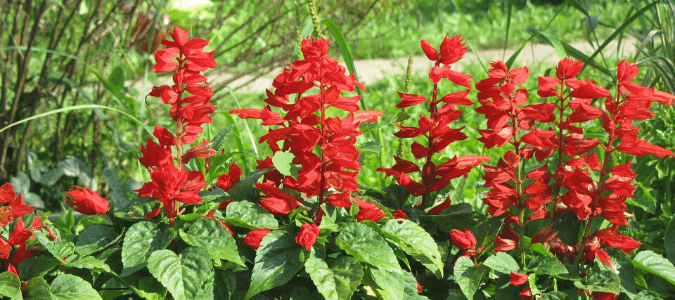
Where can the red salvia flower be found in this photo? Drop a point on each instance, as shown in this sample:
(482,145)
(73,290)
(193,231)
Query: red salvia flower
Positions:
(435,127)
(87,201)
(305,127)
(254,237)
(307,235)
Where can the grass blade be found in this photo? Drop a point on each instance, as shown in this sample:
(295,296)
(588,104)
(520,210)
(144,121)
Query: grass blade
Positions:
(250,135)
(77,107)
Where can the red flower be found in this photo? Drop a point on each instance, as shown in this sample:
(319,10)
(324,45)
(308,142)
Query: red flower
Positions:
(368,211)
(170,184)
(399,214)
(307,235)
(526,294)
(16,207)
(226,181)
(518,279)
(87,201)
(254,237)
(463,240)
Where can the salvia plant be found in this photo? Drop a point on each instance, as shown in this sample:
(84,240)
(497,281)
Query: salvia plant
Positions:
(300,226)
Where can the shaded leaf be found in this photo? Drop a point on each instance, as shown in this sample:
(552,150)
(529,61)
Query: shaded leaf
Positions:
(276,261)
(366,245)
(140,241)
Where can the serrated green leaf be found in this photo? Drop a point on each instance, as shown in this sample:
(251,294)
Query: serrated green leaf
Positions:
(37,266)
(387,285)
(211,235)
(276,261)
(66,287)
(10,285)
(655,264)
(248,215)
(95,238)
(468,276)
(366,245)
(37,289)
(604,281)
(86,262)
(502,262)
(336,279)
(624,265)
(283,161)
(58,248)
(220,140)
(546,265)
(415,241)
(151,289)
(643,198)
(185,276)
(140,241)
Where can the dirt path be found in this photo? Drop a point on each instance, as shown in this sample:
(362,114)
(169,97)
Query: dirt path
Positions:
(372,70)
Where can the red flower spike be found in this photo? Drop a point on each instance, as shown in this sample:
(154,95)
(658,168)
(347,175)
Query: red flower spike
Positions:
(87,201)
(307,235)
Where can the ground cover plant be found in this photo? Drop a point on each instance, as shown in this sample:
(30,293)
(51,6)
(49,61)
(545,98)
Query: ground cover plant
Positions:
(299,225)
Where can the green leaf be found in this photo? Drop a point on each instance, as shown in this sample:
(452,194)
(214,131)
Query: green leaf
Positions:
(604,281)
(567,226)
(67,286)
(468,276)
(225,284)
(95,238)
(151,289)
(554,295)
(248,215)
(37,266)
(624,265)
(86,262)
(220,140)
(371,146)
(211,235)
(551,40)
(337,280)
(65,222)
(502,262)
(655,264)
(387,285)
(58,248)
(276,261)
(546,265)
(648,295)
(37,289)
(140,241)
(283,162)
(415,241)
(643,198)
(366,245)
(185,276)
(10,285)
(669,241)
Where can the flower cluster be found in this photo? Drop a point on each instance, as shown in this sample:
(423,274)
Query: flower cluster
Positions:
(435,128)
(331,173)
(14,249)
(572,187)
(171,183)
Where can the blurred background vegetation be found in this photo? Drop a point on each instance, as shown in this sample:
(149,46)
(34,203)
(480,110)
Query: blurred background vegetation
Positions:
(74,75)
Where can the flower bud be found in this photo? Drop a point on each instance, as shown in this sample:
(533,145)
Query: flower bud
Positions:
(87,201)
(307,235)
(254,237)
